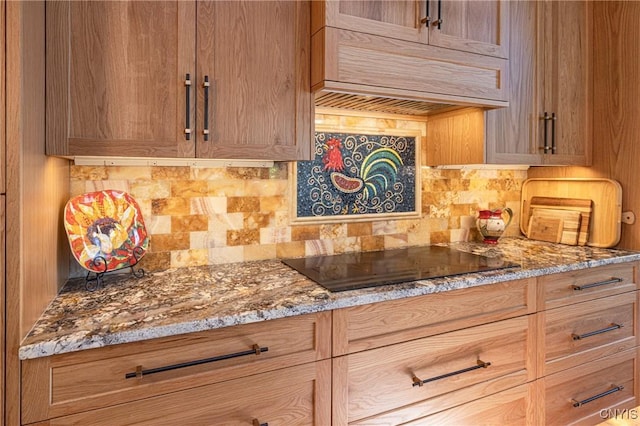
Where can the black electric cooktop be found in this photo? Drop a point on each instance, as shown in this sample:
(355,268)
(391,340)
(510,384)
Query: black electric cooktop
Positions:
(352,271)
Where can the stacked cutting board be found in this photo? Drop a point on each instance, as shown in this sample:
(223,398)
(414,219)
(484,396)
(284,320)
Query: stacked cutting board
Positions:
(560,220)
(572,211)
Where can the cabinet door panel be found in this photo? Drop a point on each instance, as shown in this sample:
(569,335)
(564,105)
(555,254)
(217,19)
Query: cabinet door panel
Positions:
(116,77)
(256,55)
(471,26)
(395,19)
(567,79)
(511,133)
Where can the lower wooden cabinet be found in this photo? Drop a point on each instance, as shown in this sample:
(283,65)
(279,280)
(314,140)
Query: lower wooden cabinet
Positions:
(580,395)
(515,406)
(372,382)
(297,395)
(179,368)
(557,350)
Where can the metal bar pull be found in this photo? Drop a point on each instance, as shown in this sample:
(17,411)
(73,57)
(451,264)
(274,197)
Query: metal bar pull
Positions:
(187,125)
(139,373)
(205,130)
(427,19)
(438,22)
(553,132)
(479,364)
(546,117)
(614,389)
(613,280)
(612,327)
(256,422)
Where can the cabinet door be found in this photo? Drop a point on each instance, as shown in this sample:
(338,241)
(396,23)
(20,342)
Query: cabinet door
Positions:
(401,19)
(567,80)
(116,78)
(511,133)
(550,73)
(476,26)
(256,56)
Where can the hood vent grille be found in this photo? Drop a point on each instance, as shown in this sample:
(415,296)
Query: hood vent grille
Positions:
(379,104)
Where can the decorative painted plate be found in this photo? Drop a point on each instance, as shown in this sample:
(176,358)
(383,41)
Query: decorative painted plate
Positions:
(105,230)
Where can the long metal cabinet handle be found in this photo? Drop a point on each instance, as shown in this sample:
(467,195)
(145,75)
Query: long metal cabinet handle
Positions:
(598,396)
(187,125)
(553,132)
(419,382)
(205,130)
(438,22)
(427,19)
(612,327)
(256,350)
(546,117)
(613,280)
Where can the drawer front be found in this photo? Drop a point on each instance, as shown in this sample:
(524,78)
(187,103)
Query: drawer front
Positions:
(509,407)
(389,378)
(580,394)
(586,284)
(586,331)
(370,61)
(514,406)
(292,396)
(74,382)
(380,324)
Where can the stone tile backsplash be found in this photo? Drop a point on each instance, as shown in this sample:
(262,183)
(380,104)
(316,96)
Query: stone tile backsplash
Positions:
(200,216)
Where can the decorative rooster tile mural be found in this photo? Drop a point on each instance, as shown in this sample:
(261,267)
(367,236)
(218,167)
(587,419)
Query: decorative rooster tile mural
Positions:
(358,175)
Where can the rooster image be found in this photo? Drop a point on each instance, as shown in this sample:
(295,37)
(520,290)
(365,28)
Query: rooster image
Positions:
(377,172)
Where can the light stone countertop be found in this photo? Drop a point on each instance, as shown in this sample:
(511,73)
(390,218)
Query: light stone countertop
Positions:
(183,300)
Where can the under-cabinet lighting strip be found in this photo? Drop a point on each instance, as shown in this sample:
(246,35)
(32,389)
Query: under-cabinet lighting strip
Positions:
(186,162)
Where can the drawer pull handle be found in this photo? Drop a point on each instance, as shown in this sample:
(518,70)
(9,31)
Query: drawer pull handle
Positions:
(599,283)
(255,350)
(256,422)
(612,327)
(598,396)
(480,364)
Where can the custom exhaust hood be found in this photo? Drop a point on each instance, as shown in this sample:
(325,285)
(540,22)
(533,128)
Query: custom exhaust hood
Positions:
(363,72)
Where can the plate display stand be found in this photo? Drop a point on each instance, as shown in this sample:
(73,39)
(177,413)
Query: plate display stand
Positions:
(93,279)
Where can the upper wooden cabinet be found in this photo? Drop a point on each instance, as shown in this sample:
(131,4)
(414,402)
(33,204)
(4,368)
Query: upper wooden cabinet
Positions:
(371,51)
(132,79)
(549,117)
(470,26)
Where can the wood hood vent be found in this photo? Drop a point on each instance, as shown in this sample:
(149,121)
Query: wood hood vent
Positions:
(378,104)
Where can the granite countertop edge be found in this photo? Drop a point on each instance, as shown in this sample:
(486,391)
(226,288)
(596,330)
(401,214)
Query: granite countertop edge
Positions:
(41,345)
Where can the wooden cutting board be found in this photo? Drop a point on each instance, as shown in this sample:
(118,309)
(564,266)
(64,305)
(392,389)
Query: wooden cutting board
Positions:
(569,226)
(606,194)
(545,229)
(584,207)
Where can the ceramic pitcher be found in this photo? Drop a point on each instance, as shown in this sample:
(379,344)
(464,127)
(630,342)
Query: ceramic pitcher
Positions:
(491,224)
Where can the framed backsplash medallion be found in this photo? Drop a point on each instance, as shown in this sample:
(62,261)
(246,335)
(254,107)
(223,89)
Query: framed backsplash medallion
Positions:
(358,175)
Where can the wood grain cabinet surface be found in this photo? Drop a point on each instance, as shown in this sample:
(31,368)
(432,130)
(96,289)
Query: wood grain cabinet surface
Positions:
(549,117)
(499,355)
(389,49)
(218,79)
(297,395)
(470,26)
(94,379)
